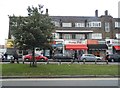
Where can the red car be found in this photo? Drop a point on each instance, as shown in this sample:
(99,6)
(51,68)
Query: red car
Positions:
(38,57)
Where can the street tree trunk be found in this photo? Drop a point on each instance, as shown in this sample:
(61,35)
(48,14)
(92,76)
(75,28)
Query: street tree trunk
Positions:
(33,62)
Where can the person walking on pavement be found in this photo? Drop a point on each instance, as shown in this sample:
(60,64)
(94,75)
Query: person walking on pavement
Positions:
(15,55)
(5,55)
(107,55)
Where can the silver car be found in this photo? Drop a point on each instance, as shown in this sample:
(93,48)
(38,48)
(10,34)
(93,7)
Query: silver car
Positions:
(88,57)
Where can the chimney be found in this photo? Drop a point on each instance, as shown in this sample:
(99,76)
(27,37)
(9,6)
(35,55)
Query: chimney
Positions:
(106,12)
(96,13)
(47,11)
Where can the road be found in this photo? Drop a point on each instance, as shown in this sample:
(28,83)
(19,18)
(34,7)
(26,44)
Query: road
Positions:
(61,82)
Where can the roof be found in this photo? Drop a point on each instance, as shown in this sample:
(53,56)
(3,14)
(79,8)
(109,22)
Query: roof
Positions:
(74,18)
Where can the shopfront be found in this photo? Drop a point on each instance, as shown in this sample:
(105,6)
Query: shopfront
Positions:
(116,49)
(58,46)
(75,47)
(97,49)
(116,46)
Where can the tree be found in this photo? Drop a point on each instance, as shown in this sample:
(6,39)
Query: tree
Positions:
(32,31)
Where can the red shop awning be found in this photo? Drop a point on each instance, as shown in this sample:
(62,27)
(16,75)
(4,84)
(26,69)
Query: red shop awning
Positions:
(117,47)
(76,47)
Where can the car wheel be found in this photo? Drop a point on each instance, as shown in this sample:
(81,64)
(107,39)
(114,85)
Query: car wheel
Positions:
(42,59)
(84,59)
(112,60)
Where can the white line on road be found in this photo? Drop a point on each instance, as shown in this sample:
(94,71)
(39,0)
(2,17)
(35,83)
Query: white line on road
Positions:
(53,79)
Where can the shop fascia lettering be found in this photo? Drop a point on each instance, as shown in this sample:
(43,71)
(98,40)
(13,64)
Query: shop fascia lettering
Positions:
(75,42)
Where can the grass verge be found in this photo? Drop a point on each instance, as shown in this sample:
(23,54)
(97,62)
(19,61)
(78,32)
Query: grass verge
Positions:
(54,69)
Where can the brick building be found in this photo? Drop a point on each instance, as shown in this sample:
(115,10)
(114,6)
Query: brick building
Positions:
(86,34)
(89,34)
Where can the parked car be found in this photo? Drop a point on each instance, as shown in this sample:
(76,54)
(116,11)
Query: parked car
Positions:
(28,57)
(88,57)
(62,57)
(113,57)
(9,57)
(99,58)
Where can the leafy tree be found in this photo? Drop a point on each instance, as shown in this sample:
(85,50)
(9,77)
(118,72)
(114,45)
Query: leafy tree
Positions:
(32,31)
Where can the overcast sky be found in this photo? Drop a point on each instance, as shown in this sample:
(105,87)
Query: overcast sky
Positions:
(56,8)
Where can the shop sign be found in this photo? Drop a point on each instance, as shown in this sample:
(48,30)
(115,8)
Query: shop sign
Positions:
(9,43)
(75,42)
(90,41)
(57,45)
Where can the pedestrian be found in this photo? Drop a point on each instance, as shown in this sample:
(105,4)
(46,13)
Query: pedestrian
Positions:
(75,55)
(2,56)
(6,56)
(107,55)
(15,55)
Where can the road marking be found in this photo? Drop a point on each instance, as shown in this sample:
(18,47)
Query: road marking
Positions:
(59,79)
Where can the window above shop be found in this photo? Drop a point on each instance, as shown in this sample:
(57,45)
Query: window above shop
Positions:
(66,24)
(67,36)
(107,27)
(117,24)
(80,36)
(94,24)
(57,24)
(79,24)
(97,36)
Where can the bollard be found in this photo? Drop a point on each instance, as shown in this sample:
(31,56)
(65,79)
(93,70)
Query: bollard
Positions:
(30,64)
(95,61)
(71,61)
(84,61)
(48,62)
(59,61)
(106,61)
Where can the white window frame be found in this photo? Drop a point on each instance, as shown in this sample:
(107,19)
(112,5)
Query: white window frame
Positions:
(94,24)
(66,24)
(96,35)
(67,36)
(57,24)
(117,24)
(80,36)
(107,27)
(79,24)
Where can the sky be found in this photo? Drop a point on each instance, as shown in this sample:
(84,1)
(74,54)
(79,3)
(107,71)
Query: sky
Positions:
(55,8)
